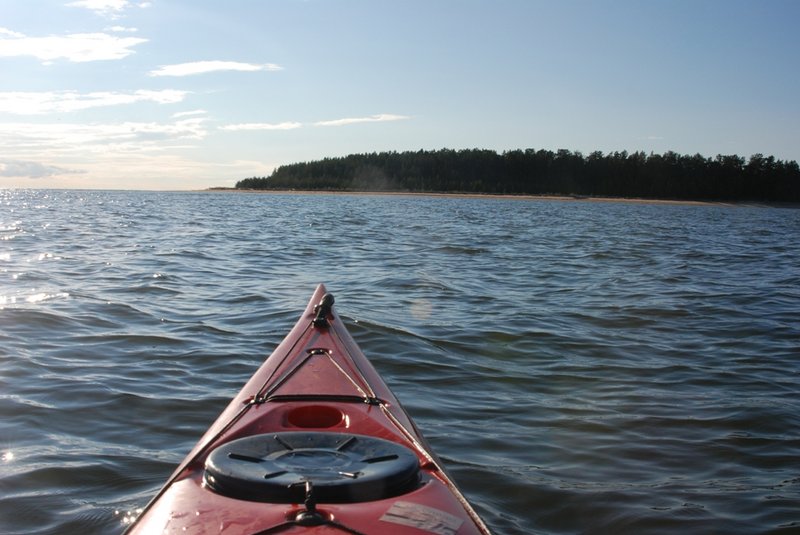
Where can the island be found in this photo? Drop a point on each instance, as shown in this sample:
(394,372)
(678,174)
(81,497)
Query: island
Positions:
(543,172)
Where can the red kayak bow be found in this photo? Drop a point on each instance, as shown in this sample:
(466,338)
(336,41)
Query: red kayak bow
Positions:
(315,442)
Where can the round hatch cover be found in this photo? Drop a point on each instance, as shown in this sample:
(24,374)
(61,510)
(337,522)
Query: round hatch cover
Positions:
(343,468)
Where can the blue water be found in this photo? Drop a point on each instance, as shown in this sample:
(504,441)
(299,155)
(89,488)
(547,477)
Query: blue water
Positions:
(580,367)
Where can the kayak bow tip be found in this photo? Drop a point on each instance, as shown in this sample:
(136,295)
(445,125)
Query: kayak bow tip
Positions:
(323,310)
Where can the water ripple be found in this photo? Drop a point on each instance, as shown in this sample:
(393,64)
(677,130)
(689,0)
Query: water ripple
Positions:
(580,367)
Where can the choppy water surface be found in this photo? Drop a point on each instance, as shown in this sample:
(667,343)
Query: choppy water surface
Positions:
(580,367)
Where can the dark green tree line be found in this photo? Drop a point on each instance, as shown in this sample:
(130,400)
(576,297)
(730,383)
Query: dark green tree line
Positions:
(563,172)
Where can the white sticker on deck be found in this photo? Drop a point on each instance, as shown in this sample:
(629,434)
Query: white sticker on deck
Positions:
(422,517)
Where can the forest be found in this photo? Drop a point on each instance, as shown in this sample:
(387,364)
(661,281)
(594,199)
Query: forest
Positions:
(544,172)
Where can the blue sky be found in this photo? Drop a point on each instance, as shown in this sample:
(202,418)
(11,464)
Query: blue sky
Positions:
(188,94)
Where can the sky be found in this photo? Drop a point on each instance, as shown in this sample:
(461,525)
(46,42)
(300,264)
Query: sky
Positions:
(192,94)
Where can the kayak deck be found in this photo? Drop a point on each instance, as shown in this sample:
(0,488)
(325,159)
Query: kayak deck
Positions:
(315,442)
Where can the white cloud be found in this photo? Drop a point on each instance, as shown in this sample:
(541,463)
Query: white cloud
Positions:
(189,113)
(121,29)
(131,170)
(36,103)
(105,8)
(203,67)
(31,140)
(292,125)
(78,47)
(6,31)
(29,169)
(371,119)
(262,126)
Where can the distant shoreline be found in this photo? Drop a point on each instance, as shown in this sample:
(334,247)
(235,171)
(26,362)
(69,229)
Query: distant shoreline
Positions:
(576,198)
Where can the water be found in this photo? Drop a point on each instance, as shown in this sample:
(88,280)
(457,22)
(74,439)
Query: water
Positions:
(580,367)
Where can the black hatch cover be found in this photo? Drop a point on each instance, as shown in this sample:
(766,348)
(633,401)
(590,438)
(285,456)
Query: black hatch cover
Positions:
(342,468)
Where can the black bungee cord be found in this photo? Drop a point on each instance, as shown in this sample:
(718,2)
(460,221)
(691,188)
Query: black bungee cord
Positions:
(309,517)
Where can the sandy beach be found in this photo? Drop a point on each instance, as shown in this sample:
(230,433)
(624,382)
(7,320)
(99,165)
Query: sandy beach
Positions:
(489,196)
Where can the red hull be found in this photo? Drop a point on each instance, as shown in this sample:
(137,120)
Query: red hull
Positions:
(317,384)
